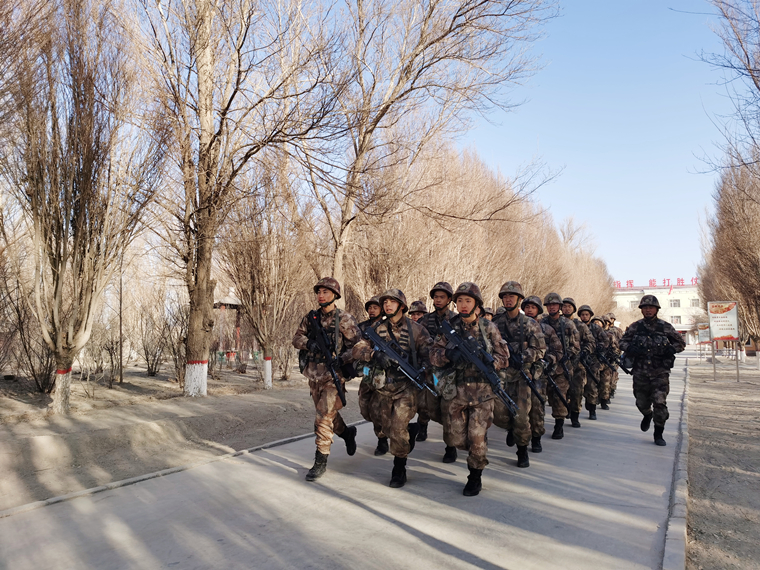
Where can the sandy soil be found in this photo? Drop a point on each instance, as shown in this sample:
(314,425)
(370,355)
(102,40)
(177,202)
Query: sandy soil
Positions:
(724,467)
(144,425)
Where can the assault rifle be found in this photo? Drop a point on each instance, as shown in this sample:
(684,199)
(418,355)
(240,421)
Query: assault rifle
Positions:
(617,361)
(553,384)
(396,353)
(516,361)
(319,335)
(587,366)
(475,355)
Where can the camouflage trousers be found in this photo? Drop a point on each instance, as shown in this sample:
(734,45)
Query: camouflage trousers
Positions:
(520,425)
(651,391)
(558,408)
(615,378)
(591,391)
(537,409)
(397,405)
(327,405)
(466,419)
(370,412)
(575,392)
(428,407)
(605,383)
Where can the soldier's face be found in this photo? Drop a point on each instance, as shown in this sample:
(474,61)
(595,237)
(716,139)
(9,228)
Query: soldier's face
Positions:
(552,309)
(531,310)
(585,316)
(567,309)
(416,316)
(488,316)
(466,305)
(390,306)
(441,300)
(325,295)
(374,311)
(510,301)
(648,311)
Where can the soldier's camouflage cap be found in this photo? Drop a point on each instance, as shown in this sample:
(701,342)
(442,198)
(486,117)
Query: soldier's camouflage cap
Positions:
(396,295)
(585,308)
(511,287)
(418,307)
(533,300)
(328,283)
(373,301)
(650,300)
(442,286)
(552,298)
(570,301)
(471,290)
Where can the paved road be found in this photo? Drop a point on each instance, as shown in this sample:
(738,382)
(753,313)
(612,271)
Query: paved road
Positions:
(597,499)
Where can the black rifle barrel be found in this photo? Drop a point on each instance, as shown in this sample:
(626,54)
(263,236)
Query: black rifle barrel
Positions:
(323,342)
(417,377)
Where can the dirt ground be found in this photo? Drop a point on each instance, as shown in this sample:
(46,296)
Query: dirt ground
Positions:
(141,426)
(724,467)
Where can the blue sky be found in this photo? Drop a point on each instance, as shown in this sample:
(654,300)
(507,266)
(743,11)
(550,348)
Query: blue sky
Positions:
(626,108)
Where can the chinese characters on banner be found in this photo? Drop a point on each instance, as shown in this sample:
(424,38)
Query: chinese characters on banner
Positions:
(680,282)
(704,333)
(724,320)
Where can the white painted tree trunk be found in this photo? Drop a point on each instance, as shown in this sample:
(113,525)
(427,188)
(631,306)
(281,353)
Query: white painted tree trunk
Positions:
(196,375)
(62,391)
(267,372)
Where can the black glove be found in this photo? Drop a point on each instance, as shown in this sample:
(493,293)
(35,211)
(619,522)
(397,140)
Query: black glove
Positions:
(384,361)
(312,346)
(455,356)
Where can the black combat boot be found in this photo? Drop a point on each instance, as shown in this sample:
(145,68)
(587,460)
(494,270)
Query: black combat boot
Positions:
(382,446)
(612,394)
(604,404)
(510,438)
(451,454)
(522,456)
(535,444)
(414,430)
(422,435)
(398,475)
(646,421)
(592,411)
(574,419)
(319,468)
(349,436)
(559,431)
(658,435)
(474,484)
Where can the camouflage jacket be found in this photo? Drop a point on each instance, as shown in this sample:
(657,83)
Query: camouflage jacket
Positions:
(601,337)
(615,335)
(364,324)
(554,351)
(494,344)
(403,333)
(343,340)
(568,336)
(588,343)
(652,344)
(430,321)
(524,337)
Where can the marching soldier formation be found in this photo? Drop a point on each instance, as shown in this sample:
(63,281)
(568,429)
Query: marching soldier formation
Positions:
(475,367)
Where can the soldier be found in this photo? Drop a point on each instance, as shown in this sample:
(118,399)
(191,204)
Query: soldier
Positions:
(417,310)
(368,411)
(344,333)
(526,347)
(429,406)
(582,384)
(615,334)
(467,395)
(532,308)
(499,311)
(396,396)
(595,325)
(652,344)
(488,313)
(568,336)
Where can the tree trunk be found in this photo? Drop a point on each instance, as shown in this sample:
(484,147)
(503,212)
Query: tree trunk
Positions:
(61,403)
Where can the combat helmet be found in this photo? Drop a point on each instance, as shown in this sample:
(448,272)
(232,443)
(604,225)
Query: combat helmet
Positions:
(612,316)
(373,301)
(488,311)
(650,300)
(570,301)
(418,307)
(501,310)
(552,298)
(442,286)
(533,300)
(396,295)
(471,290)
(585,308)
(329,283)
(598,318)
(511,287)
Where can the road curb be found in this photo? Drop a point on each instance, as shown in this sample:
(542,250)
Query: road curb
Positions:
(140,478)
(674,557)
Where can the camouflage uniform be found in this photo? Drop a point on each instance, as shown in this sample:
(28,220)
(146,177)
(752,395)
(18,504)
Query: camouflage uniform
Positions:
(570,341)
(652,343)
(602,346)
(328,420)
(552,356)
(394,395)
(429,406)
(615,335)
(468,408)
(580,381)
(370,412)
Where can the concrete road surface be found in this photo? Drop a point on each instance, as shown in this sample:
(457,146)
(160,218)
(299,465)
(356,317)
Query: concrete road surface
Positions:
(599,498)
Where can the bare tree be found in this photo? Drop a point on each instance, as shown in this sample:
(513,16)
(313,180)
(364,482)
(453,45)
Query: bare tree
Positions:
(82,172)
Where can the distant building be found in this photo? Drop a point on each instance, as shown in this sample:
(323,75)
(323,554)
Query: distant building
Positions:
(680,303)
